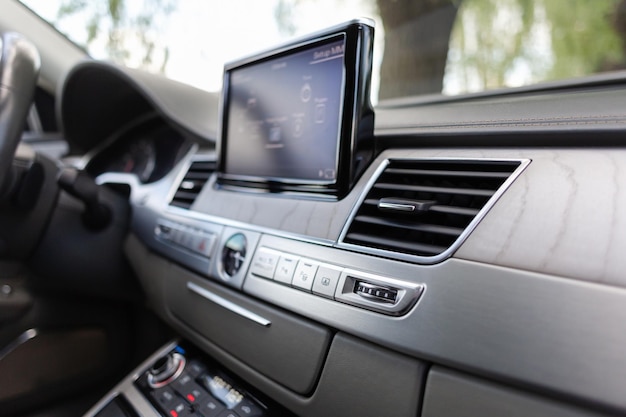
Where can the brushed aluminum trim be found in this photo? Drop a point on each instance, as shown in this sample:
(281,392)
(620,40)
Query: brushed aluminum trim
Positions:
(228,305)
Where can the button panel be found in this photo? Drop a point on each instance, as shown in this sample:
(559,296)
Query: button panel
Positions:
(264,263)
(373,292)
(203,390)
(198,241)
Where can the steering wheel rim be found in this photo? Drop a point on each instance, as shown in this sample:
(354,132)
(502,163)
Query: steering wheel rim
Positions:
(19,69)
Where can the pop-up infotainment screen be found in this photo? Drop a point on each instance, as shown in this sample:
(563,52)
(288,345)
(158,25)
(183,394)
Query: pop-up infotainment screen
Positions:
(284,115)
(297,119)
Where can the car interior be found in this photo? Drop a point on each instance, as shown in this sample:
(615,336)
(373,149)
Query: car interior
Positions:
(284,247)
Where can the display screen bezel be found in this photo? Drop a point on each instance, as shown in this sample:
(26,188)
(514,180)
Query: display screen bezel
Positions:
(355,106)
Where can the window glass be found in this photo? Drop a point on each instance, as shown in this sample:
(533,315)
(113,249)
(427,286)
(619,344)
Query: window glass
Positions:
(423,47)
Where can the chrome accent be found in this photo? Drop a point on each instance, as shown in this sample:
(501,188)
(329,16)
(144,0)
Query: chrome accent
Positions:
(428,260)
(369,286)
(178,362)
(400,204)
(19,341)
(217,269)
(187,185)
(407,293)
(395,206)
(229,305)
(119,178)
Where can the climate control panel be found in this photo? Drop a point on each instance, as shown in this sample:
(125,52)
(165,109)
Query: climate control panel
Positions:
(183,384)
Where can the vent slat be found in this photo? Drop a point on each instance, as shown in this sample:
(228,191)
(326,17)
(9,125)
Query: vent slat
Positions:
(430,228)
(196,177)
(461,211)
(460,189)
(441,190)
(185,195)
(208,166)
(447,173)
(397,245)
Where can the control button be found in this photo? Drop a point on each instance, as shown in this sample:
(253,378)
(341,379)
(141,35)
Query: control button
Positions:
(264,262)
(176,235)
(179,409)
(195,368)
(326,280)
(165,397)
(204,243)
(163,231)
(304,275)
(194,394)
(193,240)
(189,389)
(247,408)
(285,268)
(186,239)
(233,398)
(183,380)
(216,386)
(228,413)
(210,407)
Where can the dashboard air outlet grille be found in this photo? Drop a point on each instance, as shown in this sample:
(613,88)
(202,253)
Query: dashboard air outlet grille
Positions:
(191,185)
(423,207)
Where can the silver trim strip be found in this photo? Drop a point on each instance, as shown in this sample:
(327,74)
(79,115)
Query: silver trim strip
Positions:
(237,309)
(19,341)
(396,206)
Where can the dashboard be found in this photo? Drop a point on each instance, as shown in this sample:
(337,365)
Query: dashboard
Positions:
(450,258)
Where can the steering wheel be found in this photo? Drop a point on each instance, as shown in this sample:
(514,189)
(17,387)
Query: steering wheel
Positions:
(19,68)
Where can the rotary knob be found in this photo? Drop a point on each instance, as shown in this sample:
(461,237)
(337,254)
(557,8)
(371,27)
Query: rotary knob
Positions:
(166,369)
(234,254)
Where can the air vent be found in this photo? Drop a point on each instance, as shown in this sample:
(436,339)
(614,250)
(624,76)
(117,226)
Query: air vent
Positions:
(425,208)
(189,188)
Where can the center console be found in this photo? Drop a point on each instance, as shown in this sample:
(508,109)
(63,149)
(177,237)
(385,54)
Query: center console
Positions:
(180,381)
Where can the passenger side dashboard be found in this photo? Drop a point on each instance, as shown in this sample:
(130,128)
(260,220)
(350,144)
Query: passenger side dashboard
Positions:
(532,325)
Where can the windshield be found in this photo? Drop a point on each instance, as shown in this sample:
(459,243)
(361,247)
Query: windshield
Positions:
(422,47)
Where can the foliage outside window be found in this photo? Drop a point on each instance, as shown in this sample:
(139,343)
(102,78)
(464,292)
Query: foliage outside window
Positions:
(423,46)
